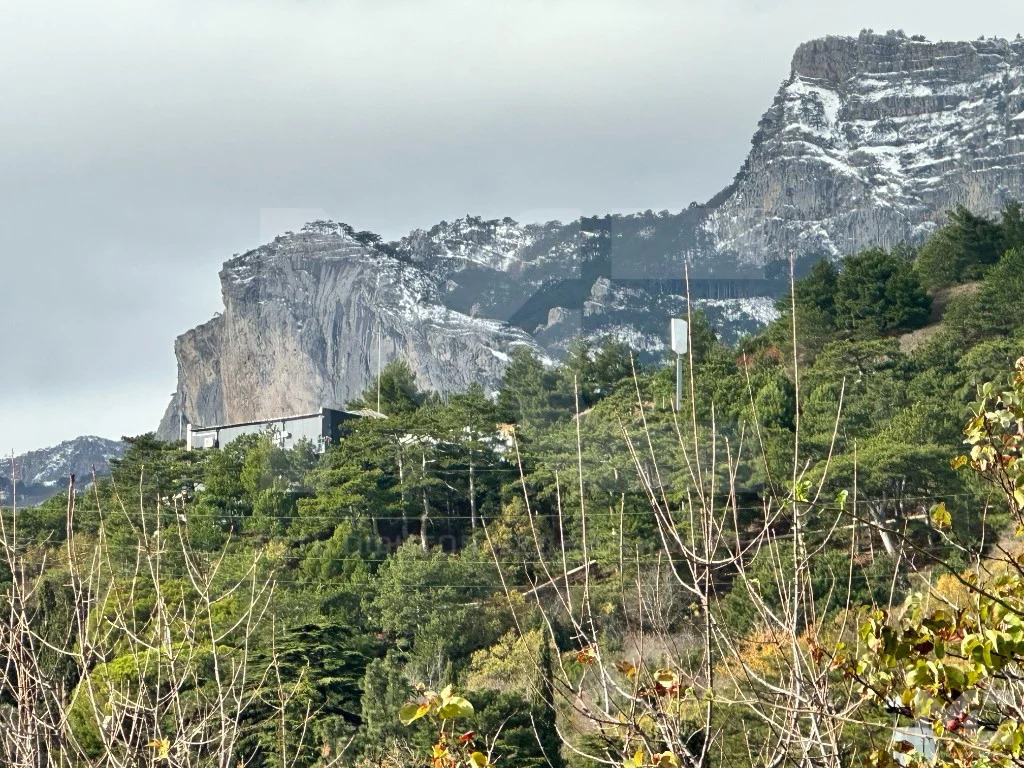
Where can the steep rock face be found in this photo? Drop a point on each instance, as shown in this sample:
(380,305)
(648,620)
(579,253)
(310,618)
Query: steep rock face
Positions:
(870,141)
(300,328)
(40,474)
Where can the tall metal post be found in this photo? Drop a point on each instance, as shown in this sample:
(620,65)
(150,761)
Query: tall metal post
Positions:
(679,383)
(378,367)
(679,341)
(178,402)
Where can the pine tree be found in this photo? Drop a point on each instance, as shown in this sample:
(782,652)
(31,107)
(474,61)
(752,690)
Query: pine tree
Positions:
(532,394)
(1011,226)
(394,390)
(961,250)
(358,479)
(879,291)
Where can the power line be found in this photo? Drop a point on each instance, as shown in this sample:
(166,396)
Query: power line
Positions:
(367,516)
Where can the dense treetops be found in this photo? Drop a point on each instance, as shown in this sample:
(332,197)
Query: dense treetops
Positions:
(395,553)
(875,291)
(968,245)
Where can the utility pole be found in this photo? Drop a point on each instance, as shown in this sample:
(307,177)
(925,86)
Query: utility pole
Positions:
(178,400)
(679,383)
(378,367)
(680,345)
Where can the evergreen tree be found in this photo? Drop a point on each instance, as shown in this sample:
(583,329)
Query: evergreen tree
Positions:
(152,471)
(394,389)
(596,371)
(269,475)
(961,250)
(323,668)
(470,463)
(223,503)
(531,393)
(1011,226)
(432,603)
(815,297)
(775,403)
(514,717)
(384,690)
(995,308)
(879,291)
(358,479)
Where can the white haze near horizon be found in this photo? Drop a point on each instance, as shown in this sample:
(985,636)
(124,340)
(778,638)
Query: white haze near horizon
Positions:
(142,143)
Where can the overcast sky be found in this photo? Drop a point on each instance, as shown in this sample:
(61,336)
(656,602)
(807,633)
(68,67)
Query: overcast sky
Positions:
(142,143)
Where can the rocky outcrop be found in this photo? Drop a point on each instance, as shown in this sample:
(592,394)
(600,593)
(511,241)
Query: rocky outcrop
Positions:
(869,141)
(38,475)
(303,320)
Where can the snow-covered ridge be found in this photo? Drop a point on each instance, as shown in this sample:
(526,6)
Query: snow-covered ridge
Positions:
(492,243)
(871,140)
(45,471)
(402,288)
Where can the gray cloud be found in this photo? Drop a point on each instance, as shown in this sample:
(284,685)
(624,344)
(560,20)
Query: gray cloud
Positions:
(140,141)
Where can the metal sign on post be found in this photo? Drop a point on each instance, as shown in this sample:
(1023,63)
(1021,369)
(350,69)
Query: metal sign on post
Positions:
(680,337)
(679,341)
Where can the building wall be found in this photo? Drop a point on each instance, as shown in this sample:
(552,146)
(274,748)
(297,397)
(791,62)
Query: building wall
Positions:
(319,429)
(291,431)
(202,439)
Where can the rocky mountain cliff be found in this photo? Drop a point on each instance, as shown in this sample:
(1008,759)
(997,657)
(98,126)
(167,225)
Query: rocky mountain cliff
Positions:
(869,141)
(38,475)
(304,318)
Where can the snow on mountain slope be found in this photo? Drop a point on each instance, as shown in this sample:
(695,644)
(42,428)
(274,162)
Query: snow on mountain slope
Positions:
(42,473)
(871,140)
(304,317)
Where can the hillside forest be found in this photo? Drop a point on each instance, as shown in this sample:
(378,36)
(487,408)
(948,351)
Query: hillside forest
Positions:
(815,561)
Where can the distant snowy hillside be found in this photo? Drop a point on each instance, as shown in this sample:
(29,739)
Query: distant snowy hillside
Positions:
(40,474)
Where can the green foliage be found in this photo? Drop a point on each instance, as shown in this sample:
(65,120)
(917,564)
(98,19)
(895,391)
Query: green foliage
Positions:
(775,404)
(224,498)
(815,300)
(430,601)
(995,435)
(322,666)
(961,250)
(879,291)
(395,389)
(272,478)
(385,691)
(703,339)
(1012,227)
(932,664)
(952,666)
(108,680)
(531,394)
(595,373)
(875,292)
(513,716)
(450,714)
(382,550)
(993,310)
(155,471)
